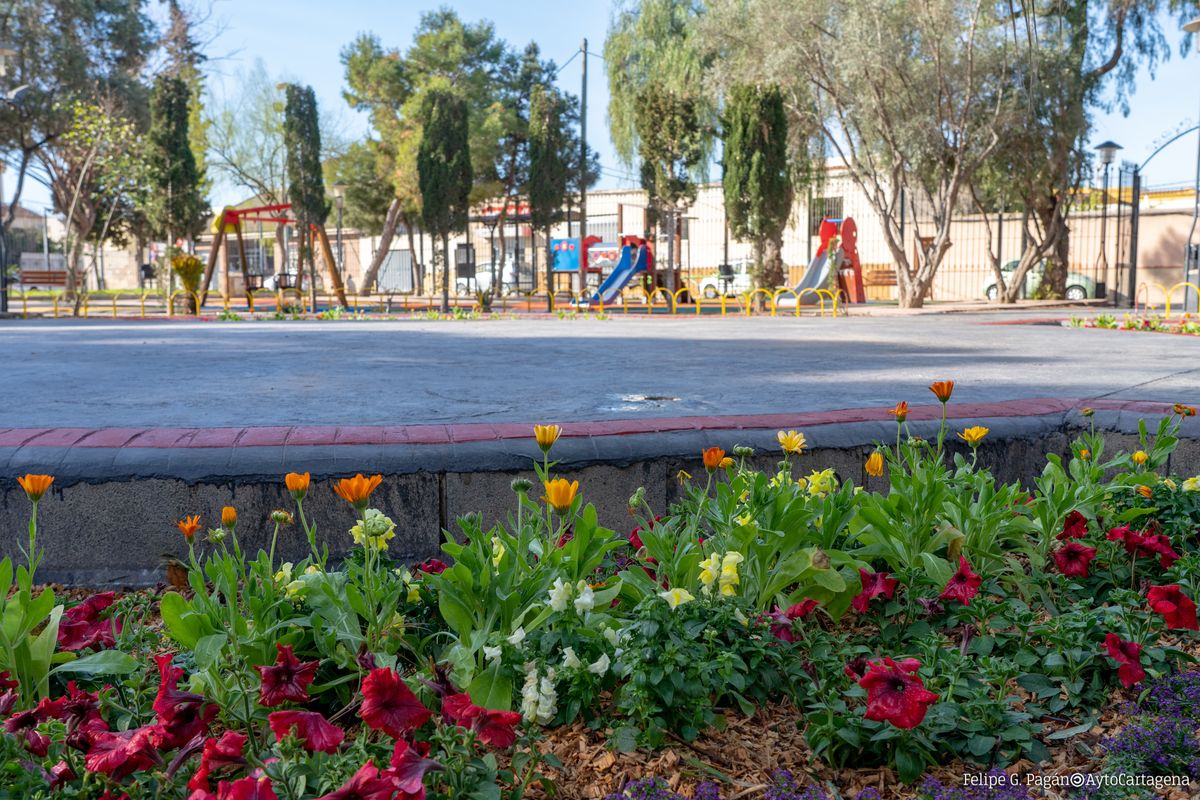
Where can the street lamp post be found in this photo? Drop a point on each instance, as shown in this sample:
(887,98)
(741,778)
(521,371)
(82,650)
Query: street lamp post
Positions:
(1191,255)
(1108,154)
(12,98)
(339,200)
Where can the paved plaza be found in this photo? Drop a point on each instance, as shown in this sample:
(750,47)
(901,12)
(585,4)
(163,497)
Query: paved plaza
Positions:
(124,373)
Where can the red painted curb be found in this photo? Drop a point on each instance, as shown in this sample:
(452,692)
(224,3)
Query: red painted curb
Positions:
(324,435)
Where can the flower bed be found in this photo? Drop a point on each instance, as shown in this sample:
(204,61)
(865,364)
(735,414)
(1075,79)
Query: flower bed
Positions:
(850,641)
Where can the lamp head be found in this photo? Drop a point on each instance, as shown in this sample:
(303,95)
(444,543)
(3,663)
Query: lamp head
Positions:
(1108,152)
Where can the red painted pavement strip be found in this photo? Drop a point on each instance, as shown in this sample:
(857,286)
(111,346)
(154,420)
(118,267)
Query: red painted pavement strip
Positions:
(276,436)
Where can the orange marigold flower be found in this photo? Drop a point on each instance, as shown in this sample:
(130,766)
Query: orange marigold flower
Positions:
(1185,411)
(942,390)
(900,411)
(1145,491)
(973,435)
(188,526)
(874,465)
(35,485)
(229,516)
(1085,454)
(1139,457)
(546,436)
(297,484)
(560,494)
(713,457)
(357,490)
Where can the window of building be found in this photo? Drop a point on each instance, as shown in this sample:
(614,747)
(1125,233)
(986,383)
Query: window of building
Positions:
(823,208)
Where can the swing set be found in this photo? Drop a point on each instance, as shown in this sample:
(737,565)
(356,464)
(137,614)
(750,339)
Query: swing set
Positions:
(232,220)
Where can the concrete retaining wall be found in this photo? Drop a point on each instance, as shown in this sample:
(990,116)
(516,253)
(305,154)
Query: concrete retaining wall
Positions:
(111,513)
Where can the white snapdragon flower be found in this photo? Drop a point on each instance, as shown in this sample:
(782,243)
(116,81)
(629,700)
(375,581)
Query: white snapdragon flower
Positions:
(600,665)
(517,637)
(570,659)
(560,595)
(585,601)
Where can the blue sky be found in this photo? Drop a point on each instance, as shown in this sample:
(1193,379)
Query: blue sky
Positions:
(301,40)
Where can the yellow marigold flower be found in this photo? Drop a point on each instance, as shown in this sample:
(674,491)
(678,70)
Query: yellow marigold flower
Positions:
(874,465)
(676,597)
(745,519)
(900,411)
(792,442)
(1170,484)
(229,516)
(974,435)
(357,490)
(560,494)
(188,526)
(683,476)
(1139,457)
(1087,411)
(1185,411)
(297,484)
(1145,491)
(35,485)
(726,463)
(942,390)
(713,457)
(546,436)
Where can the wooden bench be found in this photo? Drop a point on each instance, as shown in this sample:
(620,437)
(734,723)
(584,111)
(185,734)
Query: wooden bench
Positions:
(879,283)
(42,278)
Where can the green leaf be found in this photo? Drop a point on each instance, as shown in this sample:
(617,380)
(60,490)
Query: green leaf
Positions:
(182,622)
(105,662)
(909,765)
(492,690)
(208,649)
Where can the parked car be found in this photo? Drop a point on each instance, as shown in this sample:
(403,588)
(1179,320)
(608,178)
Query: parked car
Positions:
(713,286)
(509,274)
(1079,287)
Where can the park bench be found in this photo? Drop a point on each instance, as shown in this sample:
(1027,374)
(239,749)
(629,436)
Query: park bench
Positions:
(43,279)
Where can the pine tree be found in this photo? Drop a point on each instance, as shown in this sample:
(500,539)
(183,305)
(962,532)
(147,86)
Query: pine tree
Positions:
(444,172)
(757,182)
(176,206)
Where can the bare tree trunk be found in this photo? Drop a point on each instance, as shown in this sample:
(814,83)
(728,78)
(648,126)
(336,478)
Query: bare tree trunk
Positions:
(390,222)
(418,269)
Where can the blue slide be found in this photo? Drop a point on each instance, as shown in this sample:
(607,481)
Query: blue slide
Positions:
(626,268)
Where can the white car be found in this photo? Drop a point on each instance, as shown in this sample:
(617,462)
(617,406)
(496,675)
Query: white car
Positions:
(740,282)
(509,282)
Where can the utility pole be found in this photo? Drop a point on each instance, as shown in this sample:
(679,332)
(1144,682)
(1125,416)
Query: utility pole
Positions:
(583,174)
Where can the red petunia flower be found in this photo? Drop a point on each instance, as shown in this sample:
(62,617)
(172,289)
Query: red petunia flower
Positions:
(218,754)
(60,773)
(1073,559)
(1158,544)
(389,705)
(782,625)
(287,680)
(315,732)
(1129,656)
(1075,526)
(366,784)
(250,788)
(1132,539)
(408,767)
(874,584)
(432,566)
(181,715)
(494,728)
(7,681)
(1174,606)
(895,694)
(963,585)
(83,626)
(121,753)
